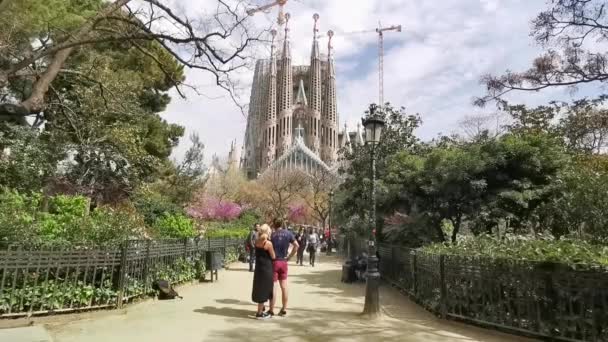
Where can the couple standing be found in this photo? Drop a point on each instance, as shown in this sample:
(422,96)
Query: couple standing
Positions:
(271,259)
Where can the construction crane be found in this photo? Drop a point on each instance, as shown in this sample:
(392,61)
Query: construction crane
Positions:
(380,31)
(263,8)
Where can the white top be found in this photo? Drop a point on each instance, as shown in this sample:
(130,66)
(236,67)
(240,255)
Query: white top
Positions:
(313,238)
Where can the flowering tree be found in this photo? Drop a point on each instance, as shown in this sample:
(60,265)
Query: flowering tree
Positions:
(210,208)
(296,213)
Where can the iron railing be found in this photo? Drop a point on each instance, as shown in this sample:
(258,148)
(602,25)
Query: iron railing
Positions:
(542,299)
(52,280)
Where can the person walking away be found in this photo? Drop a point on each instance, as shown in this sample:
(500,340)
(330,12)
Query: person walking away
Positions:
(263,275)
(250,245)
(301,239)
(313,241)
(281,240)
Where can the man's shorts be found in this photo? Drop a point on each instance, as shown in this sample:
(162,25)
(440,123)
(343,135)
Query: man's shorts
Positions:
(279,268)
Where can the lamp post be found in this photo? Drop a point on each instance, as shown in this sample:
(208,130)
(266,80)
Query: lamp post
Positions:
(329,243)
(373,125)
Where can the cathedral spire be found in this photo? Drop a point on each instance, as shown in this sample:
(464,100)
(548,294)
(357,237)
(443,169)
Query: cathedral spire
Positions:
(269,137)
(315,91)
(285,122)
(315,42)
(287,43)
(330,112)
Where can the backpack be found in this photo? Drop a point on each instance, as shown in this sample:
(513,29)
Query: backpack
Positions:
(165,290)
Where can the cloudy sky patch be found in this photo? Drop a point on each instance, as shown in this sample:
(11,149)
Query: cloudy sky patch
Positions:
(431,68)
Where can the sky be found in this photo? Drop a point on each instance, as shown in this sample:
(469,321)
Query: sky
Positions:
(431,68)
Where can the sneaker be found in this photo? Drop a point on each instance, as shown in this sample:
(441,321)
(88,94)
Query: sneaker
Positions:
(270,313)
(263,315)
(282,313)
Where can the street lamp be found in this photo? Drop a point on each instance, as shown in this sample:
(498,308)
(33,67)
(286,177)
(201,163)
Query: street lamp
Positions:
(329,243)
(373,125)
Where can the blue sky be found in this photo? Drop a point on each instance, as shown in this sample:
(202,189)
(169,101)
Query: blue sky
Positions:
(431,68)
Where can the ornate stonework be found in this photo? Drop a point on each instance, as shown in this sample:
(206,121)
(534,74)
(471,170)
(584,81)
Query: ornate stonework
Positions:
(286,97)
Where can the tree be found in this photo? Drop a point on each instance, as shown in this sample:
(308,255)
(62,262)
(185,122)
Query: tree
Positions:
(567,29)
(179,182)
(217,44)
(585,125)
(476,184)
(484,125)
(317,193)
(444,185)
(355,189)
(278,189)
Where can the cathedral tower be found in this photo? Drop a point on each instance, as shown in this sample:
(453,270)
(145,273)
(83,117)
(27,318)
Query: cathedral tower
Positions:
(329,115)
(275,113)
(314,121)
(285,95)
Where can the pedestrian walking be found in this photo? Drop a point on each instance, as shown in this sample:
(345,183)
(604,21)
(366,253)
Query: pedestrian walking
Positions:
(301,238)
(313,243)
(250,245)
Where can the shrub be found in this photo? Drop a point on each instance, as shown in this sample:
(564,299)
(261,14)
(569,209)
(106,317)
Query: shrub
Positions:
(153,205)
(174,226)
(545,248)
(67,221)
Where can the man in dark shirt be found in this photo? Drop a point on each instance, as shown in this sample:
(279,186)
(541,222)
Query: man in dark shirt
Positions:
(281,240)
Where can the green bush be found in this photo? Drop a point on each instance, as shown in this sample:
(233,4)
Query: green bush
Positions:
(66,223)
(237,229)
(153,205)
(229,233)
(174,226)
(544,249)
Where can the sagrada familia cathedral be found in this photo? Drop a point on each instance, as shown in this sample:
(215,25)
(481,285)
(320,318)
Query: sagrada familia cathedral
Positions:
(293,114)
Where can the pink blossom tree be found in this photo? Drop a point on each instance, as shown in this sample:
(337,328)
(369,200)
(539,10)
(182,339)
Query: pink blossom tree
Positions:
(209,208)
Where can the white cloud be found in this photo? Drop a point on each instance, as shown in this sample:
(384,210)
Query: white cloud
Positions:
(432,67)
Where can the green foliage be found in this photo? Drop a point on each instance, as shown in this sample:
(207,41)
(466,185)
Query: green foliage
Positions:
(354,192)
(227,232)
(56,294)
(27,160)
(174,226)
(67,221)
(580,205)
(237,229)
(477,184)
(153,205)
(541,248)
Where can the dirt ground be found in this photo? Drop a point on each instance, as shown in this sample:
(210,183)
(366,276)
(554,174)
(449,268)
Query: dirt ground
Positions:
(321,308)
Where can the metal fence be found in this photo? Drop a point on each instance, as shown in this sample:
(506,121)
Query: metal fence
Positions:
(51,280)
(543,299)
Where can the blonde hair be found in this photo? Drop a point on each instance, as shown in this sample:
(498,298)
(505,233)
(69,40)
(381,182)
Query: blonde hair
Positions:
(264,232)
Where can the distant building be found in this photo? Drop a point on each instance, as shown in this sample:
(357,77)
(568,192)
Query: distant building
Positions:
(293,116)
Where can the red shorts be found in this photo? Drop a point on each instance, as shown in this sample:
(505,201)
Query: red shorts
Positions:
(279,268)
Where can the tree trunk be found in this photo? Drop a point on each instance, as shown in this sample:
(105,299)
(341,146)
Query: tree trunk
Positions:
(456,223)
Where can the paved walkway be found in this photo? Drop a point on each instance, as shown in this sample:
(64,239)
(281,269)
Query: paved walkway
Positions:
(321,309)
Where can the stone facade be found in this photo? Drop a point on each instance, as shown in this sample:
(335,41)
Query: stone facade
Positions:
(290,101)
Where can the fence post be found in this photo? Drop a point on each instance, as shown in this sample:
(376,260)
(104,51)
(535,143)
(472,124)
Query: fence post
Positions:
(147,265)
(122,277)
(185,248)
(413,265)
(393,264)
(225,248)
(443,299)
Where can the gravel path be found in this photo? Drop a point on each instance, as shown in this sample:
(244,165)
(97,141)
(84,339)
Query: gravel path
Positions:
(321,309)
